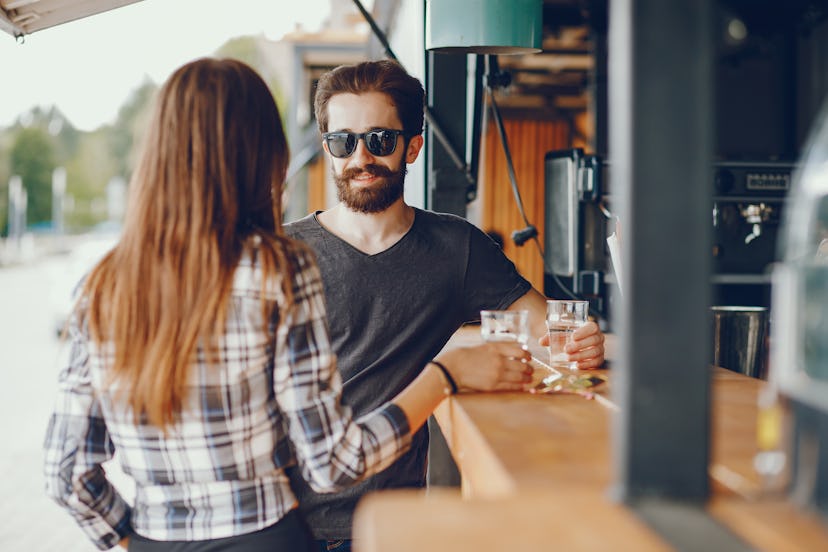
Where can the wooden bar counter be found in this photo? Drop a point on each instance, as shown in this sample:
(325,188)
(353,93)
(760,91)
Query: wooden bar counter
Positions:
(537,474)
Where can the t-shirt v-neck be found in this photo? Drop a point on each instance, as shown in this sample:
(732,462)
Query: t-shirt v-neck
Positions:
(332,235)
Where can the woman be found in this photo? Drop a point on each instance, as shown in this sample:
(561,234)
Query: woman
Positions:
(200,349)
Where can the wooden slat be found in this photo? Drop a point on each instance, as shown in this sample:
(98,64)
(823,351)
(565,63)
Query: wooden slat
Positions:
(771,524)
(733,432)
(528,143)
(568,519)
(514,442)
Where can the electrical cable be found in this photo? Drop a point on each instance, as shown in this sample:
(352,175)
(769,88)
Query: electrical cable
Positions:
(376,30)
(429,116)
(530,232)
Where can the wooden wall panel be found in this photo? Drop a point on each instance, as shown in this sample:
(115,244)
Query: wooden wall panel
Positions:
(317,176)
(529,141)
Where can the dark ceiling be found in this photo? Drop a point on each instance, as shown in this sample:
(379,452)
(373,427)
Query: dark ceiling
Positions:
(559,79)
(556,80)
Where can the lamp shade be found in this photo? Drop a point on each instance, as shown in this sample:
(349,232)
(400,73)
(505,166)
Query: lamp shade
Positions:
(484,26)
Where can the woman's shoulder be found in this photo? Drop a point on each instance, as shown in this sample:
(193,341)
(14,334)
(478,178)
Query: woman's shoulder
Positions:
(266,260)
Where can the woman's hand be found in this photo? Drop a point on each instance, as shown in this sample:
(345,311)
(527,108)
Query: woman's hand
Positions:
(586,347)
(489,367)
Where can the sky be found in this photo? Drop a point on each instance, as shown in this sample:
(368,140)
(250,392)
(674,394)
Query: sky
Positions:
(89,67)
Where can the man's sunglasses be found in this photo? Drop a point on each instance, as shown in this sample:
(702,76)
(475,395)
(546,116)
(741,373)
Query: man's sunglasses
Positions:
(380,142)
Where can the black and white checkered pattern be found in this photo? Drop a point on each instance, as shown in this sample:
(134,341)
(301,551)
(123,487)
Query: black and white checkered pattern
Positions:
(218,471)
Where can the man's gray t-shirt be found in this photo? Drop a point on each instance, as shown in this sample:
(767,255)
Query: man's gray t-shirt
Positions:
(389,314)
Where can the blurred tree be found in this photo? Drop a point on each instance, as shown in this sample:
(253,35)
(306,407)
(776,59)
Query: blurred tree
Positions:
(249,50)
(126,134)
(47,125)
(87,175)
(33,158)
(5,174)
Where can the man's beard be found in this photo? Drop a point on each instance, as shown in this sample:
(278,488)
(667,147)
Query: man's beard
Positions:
(374,199)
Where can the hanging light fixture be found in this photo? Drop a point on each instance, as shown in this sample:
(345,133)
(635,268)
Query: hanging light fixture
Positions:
(484,26)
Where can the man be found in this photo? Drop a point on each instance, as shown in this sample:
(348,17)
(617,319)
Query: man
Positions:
(399,281)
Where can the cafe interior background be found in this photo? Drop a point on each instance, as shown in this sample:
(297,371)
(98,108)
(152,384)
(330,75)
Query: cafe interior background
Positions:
(680,128)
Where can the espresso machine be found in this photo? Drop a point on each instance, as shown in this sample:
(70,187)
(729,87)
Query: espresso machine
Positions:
(748,202)
(576,262)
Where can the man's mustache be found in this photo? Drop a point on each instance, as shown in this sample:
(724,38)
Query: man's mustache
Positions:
(373,170)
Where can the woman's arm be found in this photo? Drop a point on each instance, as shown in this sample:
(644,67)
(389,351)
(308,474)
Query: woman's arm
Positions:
(489,367)
(77,443)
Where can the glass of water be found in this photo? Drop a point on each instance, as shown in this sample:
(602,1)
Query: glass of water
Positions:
(505,325)
(563,317)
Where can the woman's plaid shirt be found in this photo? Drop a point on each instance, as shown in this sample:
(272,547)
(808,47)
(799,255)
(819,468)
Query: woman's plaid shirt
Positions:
(219,471)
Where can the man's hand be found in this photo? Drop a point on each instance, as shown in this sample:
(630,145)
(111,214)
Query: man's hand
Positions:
(586,347)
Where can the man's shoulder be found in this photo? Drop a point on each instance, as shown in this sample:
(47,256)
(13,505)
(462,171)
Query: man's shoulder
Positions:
(449,227)
(303,228)
(443,221)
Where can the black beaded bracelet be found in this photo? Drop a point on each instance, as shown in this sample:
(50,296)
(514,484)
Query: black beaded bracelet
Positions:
(447,375)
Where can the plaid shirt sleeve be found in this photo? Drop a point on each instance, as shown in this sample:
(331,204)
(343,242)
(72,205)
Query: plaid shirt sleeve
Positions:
(77,443)
(333,449)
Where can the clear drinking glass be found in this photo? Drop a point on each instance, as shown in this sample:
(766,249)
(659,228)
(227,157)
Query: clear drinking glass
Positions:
(505,325)
(563,317)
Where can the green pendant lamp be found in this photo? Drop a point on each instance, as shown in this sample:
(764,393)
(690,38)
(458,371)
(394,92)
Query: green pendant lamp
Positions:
(484,26)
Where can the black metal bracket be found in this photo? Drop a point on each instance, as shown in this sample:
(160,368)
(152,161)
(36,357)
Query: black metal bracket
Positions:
(451,149)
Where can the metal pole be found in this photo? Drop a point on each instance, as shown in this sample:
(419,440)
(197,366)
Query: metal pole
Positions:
(661,142)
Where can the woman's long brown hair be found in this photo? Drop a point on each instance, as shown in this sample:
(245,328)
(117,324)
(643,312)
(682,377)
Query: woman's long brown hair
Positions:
(210,177)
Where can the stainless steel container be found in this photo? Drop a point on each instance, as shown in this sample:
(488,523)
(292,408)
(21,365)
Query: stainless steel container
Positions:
(740,339)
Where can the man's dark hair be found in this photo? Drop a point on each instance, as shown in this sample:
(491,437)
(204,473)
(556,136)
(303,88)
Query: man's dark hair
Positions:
(386,76)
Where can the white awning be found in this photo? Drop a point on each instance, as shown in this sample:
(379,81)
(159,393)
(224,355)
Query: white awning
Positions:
(22,17)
